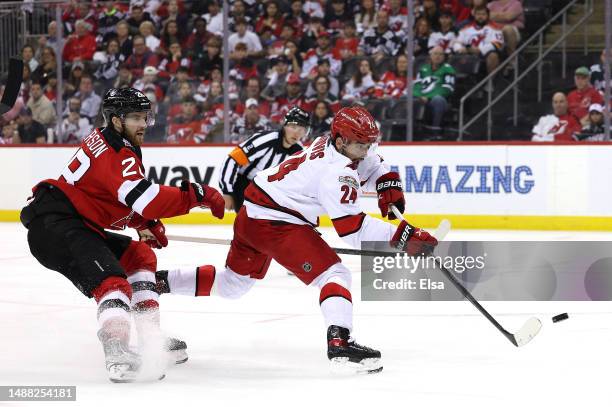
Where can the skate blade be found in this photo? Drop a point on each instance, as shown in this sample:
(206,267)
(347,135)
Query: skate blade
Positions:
(178,356)
(342,366)
(121,373)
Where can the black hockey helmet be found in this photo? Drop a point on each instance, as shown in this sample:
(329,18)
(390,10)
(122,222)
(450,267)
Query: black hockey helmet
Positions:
(121,101)
(297,116)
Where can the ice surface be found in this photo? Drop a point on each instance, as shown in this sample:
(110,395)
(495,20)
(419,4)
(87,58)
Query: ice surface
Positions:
(268,348)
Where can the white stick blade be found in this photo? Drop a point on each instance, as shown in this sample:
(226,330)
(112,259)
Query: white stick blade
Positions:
(442,230)
(529,330)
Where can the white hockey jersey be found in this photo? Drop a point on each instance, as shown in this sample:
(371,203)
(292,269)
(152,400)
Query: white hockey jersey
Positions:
(316,182)
(486,38)
(444,40)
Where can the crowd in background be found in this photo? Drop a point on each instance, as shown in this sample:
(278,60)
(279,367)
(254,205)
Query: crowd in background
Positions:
(316,54)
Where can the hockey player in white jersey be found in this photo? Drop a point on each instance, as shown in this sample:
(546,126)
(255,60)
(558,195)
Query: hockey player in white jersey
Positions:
(277,221)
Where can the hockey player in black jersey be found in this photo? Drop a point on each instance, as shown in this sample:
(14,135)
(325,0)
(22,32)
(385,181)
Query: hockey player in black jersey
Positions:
(260,151)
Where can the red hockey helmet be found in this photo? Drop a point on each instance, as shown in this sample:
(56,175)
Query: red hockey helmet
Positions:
(355,123)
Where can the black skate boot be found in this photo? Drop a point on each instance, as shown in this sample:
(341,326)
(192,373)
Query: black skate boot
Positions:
(161,282)
(346,354)
(122,364)
(177,350)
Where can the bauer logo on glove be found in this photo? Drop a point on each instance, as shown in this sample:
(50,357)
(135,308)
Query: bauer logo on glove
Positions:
(390,191)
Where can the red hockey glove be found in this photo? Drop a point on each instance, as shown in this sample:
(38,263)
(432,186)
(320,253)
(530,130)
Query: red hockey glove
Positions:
(390,191)
(203,195)
(153,233)
(413,240)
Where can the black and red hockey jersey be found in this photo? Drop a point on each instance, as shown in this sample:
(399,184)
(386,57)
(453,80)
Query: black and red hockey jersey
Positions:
(105,182)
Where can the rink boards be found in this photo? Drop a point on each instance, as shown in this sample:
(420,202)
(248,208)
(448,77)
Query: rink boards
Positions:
(483,186)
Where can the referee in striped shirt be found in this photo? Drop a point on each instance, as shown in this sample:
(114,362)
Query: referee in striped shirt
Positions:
(260,151)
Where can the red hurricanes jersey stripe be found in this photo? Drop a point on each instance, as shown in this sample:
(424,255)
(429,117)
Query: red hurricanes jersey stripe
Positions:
(349,224)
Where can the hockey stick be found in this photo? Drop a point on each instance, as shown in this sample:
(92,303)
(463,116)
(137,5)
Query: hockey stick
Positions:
(440,233)
(527,332)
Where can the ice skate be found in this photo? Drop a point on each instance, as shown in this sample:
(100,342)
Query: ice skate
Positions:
(348,356)
(177,350)
(121,363)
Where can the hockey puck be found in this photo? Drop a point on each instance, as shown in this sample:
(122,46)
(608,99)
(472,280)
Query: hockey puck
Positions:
(560,317)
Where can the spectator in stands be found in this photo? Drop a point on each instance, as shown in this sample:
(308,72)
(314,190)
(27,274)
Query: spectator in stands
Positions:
(109,62)
(277,85)
(481,38)
(9,134)
(141,57)
(347,45)
(337,13)
(311,34)
(212,57)
(108,17)
(41,107)
(80,10)
(583,96)
(361,85)
(249,123)
(74,103)
(446,36)
(277,46)
(182,18)
(595,130)
(253,91)
(597,74)
(170,34)
(322,93)
(50,88)
(366,18)
(320,120)
(182,76)
(381,41)
(47,66)
(271,18)
(147,30)
(214,96)
(50,39)
(186,127)
(242,67)
(292,97)
(198,39)
(175,98)
(126,45)
(214,19)
(460,9)
(81,45)
(398,15)
(292,52)
(27,55)
(175,59)
(510,16)
(298,17)
(124,77)
(421,37)
(30,131)
(148,81)
(74,128)
(393,82)
(323,69)
(156,133)
(238,12)
(17,107)
(559,126)
(323,50)
(90,101)
(313,9)
(431,13)
(74,79)
(247,37)
(434,86)
(216,75)
(137,17)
